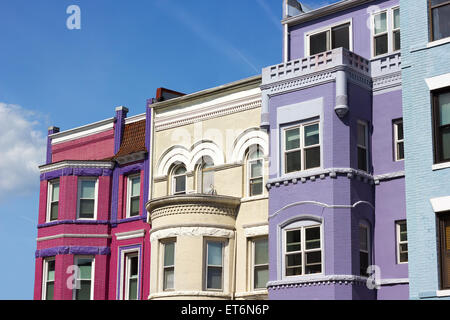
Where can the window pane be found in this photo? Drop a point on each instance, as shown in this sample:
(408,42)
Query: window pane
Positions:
(214,253)
(396,18)
(294,260)
(312,135)
(399,126)
(256,169)
(362,135)
(169,254)
(208,181)
(293,161)
(88,189)
(313,257)
(400,151)
(132,289)
(445,143)
(319,42)
(51,271)
(364,263)
(214,279)
(54,211)
(293,242)
(55,191)
(381,44)
(404,257)
(169,278)
(84,293)
(256,154)
(85,266)
(87,208)
(180,184)
(180,170)
(312,238)
(261,251)
(397,41)
(293,271)
(292,139)
(49,293)
(363,245)
(136,187)
(134,206)
(362,159)
(340,37)
(312,158)
(380,23)
(444,108)
(261,277)
(256,187)
(134,266)
(441,22)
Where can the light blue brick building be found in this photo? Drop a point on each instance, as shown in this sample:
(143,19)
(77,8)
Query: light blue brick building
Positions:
(425,46)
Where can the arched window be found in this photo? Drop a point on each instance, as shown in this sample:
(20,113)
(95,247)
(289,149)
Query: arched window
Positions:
(255,172)
(205,176)
(179,180)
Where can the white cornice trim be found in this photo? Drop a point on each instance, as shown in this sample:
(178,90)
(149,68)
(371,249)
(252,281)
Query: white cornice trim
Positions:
(130,235)
(192,232)
(80,236)
(135,118)
(305,280)
(83,131)
(76,164)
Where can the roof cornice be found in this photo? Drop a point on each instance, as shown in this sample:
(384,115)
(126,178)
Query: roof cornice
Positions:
(323,11)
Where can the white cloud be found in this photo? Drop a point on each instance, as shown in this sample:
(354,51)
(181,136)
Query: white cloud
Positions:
(22,150)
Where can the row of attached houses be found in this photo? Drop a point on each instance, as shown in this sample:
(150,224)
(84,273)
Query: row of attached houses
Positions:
(322,178)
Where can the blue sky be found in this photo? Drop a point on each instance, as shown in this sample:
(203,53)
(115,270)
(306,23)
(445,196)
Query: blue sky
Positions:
(123,52)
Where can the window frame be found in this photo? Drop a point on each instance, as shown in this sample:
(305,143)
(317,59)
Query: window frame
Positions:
(200,174)
(394,30)
(207,266)
(128,256)
(329,29)
(130,179)
(398,240)
(253,264)
(45,281)
(79,182)
(369,246)
(302,148)
(437,143)
(76,259)
(430,20)
(366,147)
(389,31)
(173,182)
(163,243)
(443,218)
(249,171)
(50,201)
(306,225)
(397,141)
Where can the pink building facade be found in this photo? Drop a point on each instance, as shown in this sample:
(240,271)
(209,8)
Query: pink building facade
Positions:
(93,236)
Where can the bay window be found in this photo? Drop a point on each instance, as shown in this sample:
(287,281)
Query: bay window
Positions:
(87,198)
(84,278)
(48,281)
(214,265)
(169,265)
(53,200)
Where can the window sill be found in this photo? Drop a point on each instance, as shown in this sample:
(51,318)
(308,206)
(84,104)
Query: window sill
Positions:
(255,198)
(443,293)
(438,42)
(441,166)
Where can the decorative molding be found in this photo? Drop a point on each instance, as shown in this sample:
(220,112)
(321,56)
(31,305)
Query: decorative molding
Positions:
(252,295)
(191,232)
(137,156)
(388,81)
(256,231)
(84,131)
(199,294)
(130,235)
(80,236)
(72,250)
(75,222)
(390,282)
(76,164)
(306,281)
(388,176)
(192,225)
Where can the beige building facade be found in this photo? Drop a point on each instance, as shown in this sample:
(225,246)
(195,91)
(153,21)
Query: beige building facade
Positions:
(209,205)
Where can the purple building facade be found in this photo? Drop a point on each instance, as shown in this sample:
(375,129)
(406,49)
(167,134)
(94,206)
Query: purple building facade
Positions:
(333,110)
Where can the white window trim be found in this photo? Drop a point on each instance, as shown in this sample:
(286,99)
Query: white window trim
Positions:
(222,242)
(399,242)
(127,256)
(303,225)
(45,276)
(249,173)
(129,188)
(173,184)
(369,243)
(92,275)
(328,28)
(163,243)
(395,29)
(366,147)
(302,147)
(389,31)
(49,198)
(80,179)
(122,270)
(252,262)
(397,140)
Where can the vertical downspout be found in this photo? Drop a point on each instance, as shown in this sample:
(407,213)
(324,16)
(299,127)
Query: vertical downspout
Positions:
(341,108)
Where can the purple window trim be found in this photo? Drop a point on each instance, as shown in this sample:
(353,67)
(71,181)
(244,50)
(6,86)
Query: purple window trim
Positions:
(76,222)
(119,257)
(72,250)
(130,219)
(80,172)
(134,168)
